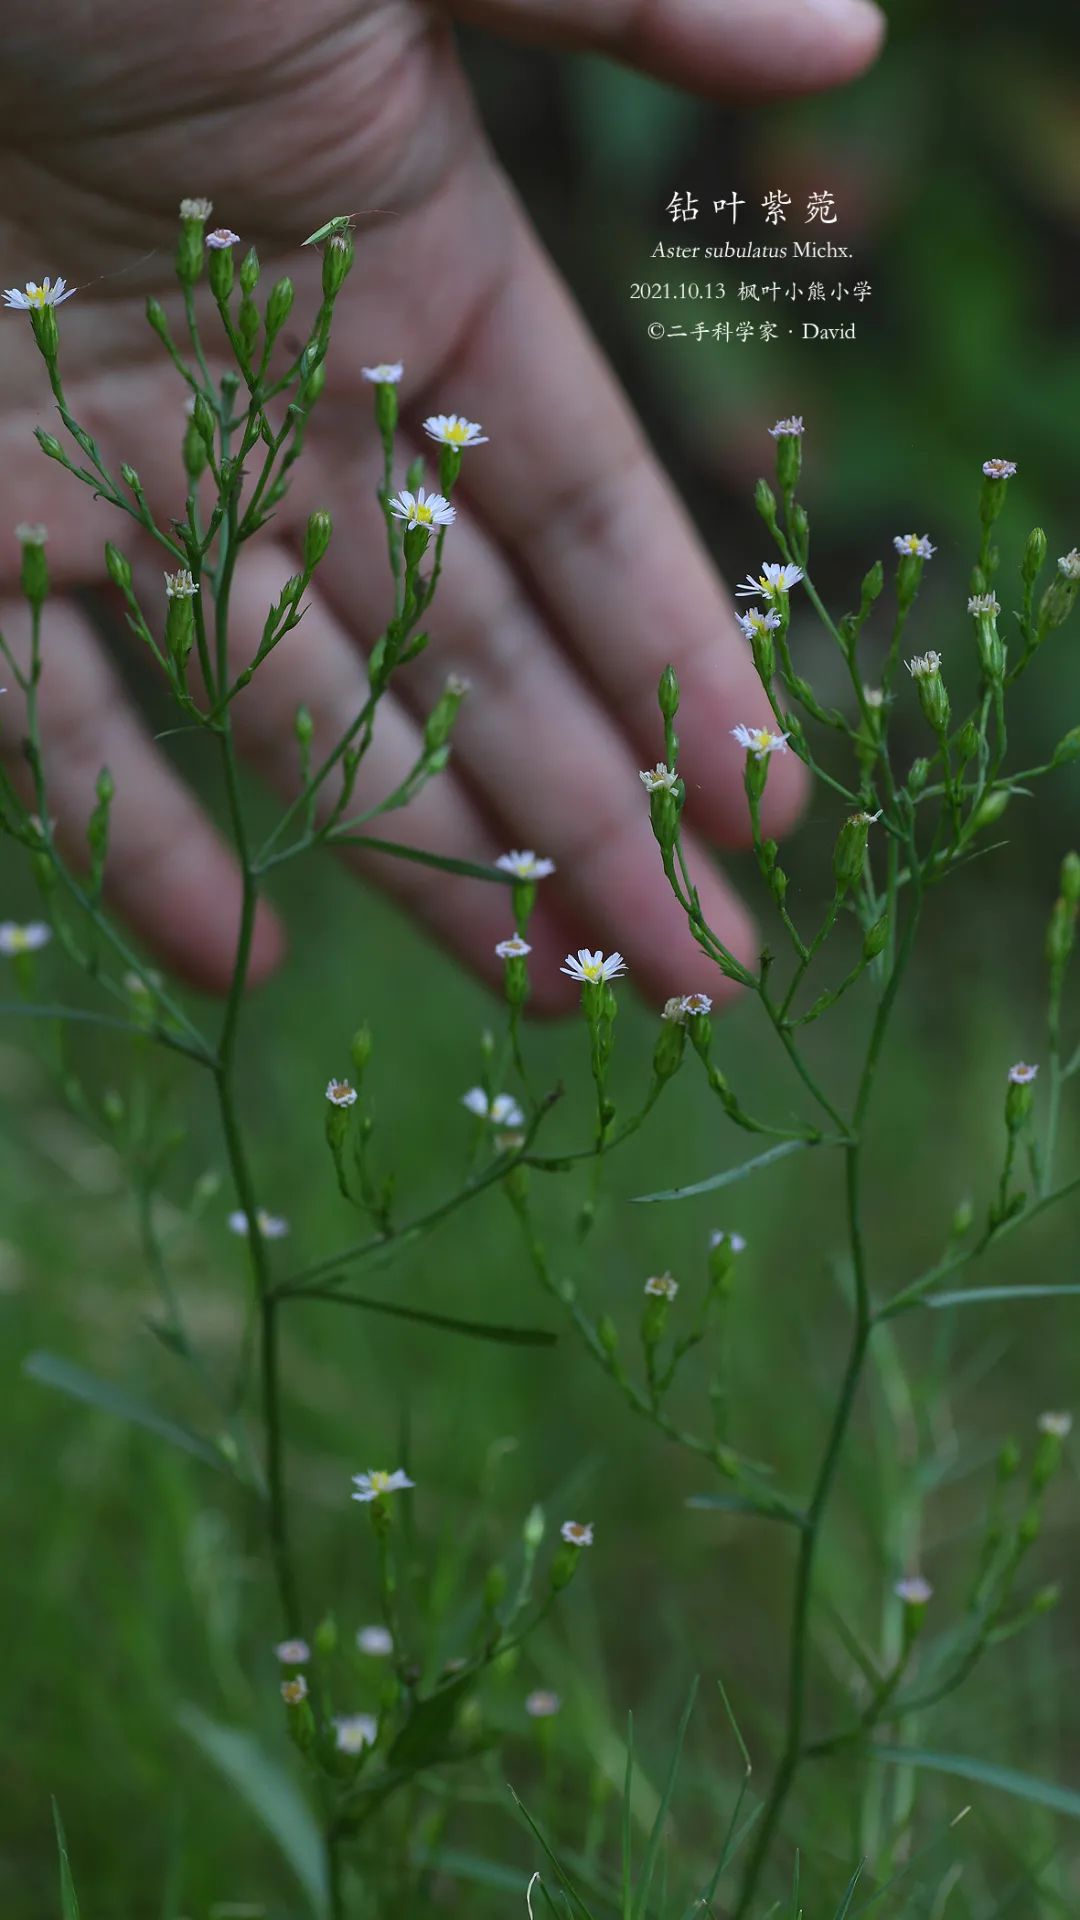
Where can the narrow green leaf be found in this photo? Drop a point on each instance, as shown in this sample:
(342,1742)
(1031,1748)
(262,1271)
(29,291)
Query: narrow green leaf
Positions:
(52,1370)
(563,1877)
(271,1796)
(985,1773)
(471,869)
(740,1503)
(985,1296)
(69,1903)
(844,1908)
(652,1848)
(627,1819)
(730,1175)
(475,1329)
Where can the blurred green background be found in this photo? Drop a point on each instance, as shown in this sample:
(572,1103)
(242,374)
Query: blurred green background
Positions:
(135,1580)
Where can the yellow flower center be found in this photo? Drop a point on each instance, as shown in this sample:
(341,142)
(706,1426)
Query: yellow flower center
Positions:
(592,971)
(38,296)
(456,433)
(761,739)
(422,514)
(380,1482)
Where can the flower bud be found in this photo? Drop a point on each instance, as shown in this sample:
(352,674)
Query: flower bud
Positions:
(326,1637)
(34,574)
(967,742)
(532,1534)
(193,451)
(1008,1461)
(1034,556)
(1070,878)
(872,586)
(440,720)
(918,776)
(788,461)
(189,248)
(316,539)
(933,695)
(849,853)
(130,477)
(765,502)
(278,306)
(669,1049)
(247,322)
(312,384)
(336,262)
(990,808)
(49,444)
(668,693)
(608,1335)
(249,271)
(1019,1099)
(360,1050)
(219,272)
(1046,1599)
(876,938)
(1057,602)
(962,1221)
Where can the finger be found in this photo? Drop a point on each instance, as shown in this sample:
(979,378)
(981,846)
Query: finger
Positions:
(575,493)
(540,751)
(718,47)
(167,873)
(319,666)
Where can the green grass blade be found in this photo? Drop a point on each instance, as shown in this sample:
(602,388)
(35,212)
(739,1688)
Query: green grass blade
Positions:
(563,1877)
(52,1370)
(448,1322)
(471,869)
(985,1296)
(655,1839)
(985,1773)
(730,1175)
(272,1797)
(69,1902)
(627,1822)
(844,1908)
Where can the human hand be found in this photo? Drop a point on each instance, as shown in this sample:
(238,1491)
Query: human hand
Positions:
(572,574)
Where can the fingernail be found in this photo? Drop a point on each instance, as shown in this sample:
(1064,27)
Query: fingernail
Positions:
(851,15)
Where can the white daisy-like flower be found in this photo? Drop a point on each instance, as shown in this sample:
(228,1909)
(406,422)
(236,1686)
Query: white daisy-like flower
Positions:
(502,1111)
(16,939)
(759,741)
(294,1690)
(1059,1425)
(340,1093)
(692,1003)
(874,697)
(374,1484)
(1022,1075)
(577,1533)
(377,1642)
(31,534)
(720,1237)
(659,779)
(592,968)
(758,620)
(984,603)
(793,424)
(423,509)
(454,430)
(999,469)
(513,949)
(865,819)
(181,585)
(355,1731)
(221,238)
(541,1704)
(774,579)
(526,865)
(35,297)
(1069,564)
(923,664)
(914,1591)
(386,374)
(293,1653)
(270,1225)
(663,1285)
(198,208)
(674,1009)
(919,545)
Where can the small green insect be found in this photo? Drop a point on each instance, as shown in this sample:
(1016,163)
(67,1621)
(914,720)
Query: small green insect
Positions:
(341,223)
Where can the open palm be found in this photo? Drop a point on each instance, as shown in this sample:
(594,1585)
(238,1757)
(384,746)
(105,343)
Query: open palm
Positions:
(572,573)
